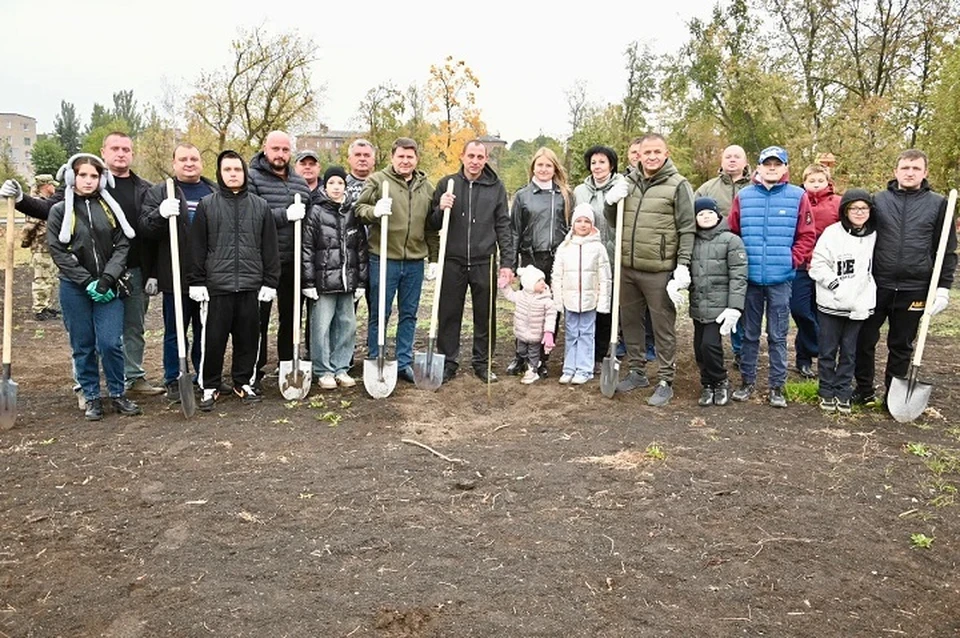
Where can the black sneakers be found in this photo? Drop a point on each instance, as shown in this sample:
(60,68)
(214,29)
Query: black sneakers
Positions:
(124,406)
(94,410)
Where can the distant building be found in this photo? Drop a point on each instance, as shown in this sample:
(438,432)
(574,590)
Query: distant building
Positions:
(327,142)
(495,147)
(17,136)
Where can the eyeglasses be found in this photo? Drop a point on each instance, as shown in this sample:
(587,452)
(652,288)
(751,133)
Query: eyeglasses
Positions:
(858,209)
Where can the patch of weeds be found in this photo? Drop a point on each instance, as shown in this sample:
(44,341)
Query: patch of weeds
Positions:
(805,391)
(332,418)
(921,541)
(944,461)
(38,333)
(953,432)
(291,404)
(280,421)
(318,403)
(345,404)
(918,449)
(655,452)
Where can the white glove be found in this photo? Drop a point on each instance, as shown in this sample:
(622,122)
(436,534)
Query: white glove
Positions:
(431,271)
(617,192)
(169,208)
(11,188)
(383,207)
(266,294)
(311,293)
(681,275)
(728,321)
(358,294)
(152,286)
(199,293)
(296,212)
(673,291)
(941,301)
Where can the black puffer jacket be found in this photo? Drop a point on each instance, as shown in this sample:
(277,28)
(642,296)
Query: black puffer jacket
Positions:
(908,233)
(539,220)
(233,242)
(279,192)
(97,245)
(479,219)
(334,250)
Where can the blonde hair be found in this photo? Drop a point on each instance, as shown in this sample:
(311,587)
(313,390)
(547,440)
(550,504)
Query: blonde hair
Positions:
(816,168)
(559,177)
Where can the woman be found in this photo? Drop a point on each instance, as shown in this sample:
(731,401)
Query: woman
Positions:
(88,237)
(541,219)
(601,161)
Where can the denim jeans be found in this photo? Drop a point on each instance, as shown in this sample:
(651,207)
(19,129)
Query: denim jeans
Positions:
(803,307)
(776,300)
(404,281)
(736,338)
(96,338)
(134,310)
(579,332)
(191,315)
(333,333)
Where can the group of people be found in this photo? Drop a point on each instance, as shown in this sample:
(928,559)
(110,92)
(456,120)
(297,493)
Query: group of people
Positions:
(745,244)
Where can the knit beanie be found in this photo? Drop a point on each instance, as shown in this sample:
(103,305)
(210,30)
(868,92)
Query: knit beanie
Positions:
(708,204)
(334,171)
(529,276)
(583,210)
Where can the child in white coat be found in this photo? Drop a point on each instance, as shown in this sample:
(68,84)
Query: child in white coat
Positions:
(581,288)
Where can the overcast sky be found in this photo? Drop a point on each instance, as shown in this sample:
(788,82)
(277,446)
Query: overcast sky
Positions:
(524,54)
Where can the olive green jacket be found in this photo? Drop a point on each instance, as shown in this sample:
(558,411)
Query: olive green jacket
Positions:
(408,236)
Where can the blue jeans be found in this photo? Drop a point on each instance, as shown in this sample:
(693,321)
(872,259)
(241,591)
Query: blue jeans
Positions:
(333,333)
(776,300)
(579,333)
(404,281)
(94,329)
(803,307)
(736,338)
(171,359)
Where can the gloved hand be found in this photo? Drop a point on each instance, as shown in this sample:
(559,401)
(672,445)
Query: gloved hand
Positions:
(296,211)
(358,294)
(152,287)
(199,293)
(728,321)
(266,294)
(673,291)
(547,342)
(311,293)
(617,192)
(93,291)
(383,206)
(431,273)
(941,301)
(169,208)
(681,275)
(11,188)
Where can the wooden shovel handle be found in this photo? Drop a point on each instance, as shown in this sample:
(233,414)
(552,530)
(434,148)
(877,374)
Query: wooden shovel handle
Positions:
(435,311)
(935,278)
(8,288)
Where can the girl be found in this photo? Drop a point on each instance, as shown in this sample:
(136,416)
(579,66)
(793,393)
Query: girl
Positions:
(534,318)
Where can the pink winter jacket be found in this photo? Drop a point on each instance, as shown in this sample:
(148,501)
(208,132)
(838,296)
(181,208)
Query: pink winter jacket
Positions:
(533,314)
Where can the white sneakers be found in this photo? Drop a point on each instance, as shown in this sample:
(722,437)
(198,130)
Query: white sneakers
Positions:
(345,380)
(530,376)
(330,382)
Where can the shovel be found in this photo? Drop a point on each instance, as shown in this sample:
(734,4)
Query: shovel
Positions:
(8,387)
(610,368)
(907,398)
(380,376)
(295,375)
(188,402)
(428,368)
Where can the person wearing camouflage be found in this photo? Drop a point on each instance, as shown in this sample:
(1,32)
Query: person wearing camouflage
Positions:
(34,237)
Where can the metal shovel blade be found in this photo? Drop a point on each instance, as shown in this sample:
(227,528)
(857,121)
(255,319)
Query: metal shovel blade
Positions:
(907,398)
(295,379)
(8,404)
(428,368)
(610,373)
(379,377)
(188,402)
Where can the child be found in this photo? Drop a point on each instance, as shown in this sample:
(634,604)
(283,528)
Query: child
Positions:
(581,288)
(334,258)
(718,289)
(803,298)
(846,295)
(533,319)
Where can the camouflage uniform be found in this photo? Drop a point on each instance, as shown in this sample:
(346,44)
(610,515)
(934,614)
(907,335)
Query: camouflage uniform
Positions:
(34,237)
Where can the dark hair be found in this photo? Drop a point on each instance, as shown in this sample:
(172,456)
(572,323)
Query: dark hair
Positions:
(913,154)
(183,145)
(648,136)
(80,161)
(230,155)
(117,134)
(601,150)
(407,143)
(475,142)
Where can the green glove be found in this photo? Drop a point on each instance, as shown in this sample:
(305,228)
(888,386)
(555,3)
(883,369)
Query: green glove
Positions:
(98,297)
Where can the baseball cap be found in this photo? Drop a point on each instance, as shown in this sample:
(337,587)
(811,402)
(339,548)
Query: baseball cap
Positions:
(773,151)
(308,153)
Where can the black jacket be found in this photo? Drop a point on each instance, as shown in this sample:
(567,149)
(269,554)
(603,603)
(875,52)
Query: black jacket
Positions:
(233,242)
(334,251)
(539,220)
(479,219)
(155,228)
(97,245)
(279,192)
(908,233)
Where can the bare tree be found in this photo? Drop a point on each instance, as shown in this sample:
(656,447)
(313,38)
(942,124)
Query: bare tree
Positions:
(576,105)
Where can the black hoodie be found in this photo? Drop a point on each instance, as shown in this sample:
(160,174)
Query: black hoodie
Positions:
(233,240)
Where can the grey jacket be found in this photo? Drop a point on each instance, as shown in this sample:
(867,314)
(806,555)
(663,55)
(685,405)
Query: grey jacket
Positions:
(718,273)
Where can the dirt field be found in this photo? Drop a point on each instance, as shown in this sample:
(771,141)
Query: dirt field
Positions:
(552,512)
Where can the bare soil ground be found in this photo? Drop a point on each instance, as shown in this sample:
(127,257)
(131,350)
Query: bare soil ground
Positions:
(555,512)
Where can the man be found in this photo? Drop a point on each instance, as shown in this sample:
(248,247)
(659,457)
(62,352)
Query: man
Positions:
(479,226)
(658,231)
(271,178)
(308,167)
(361,156)
(34,237)
(409,241)
(775,220)
(909,219)
(235,264)
(190,187)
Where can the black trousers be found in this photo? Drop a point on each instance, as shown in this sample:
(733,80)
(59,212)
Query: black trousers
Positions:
(456,278)
(903,309)
(234,316)
(837,356)
(708,350)
(285,312)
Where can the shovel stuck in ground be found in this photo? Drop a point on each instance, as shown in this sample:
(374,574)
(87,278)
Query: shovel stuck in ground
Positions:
(380,375)
(8,387)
